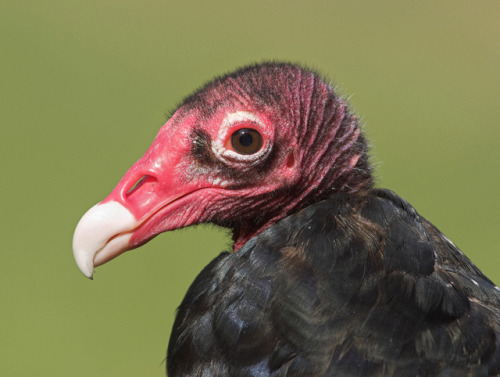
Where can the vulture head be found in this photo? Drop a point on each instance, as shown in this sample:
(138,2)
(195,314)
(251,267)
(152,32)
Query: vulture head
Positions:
(244,151)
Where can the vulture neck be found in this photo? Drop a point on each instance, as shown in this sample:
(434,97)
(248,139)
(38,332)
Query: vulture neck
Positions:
(330,154)
(349,173)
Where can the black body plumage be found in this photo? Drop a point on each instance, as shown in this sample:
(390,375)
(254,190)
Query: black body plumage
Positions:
(355,285)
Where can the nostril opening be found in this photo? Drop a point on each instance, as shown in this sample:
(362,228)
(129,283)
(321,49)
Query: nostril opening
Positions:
(140,182)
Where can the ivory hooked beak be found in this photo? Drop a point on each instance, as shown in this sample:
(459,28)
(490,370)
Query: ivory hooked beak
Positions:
(102,234)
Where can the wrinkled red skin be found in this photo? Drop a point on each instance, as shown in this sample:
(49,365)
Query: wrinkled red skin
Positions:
(152,189)
(311,153)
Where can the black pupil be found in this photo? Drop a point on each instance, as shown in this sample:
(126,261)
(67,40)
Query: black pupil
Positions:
(245,138)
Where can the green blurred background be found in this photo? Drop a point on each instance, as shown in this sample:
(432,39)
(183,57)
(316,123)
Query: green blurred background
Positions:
(84,87)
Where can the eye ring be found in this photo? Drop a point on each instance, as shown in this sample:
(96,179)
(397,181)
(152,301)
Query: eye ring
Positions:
(245,141)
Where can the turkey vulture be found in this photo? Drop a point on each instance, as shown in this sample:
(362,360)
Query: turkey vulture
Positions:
(328,275)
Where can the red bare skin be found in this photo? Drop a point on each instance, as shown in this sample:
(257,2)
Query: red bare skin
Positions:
(193,175)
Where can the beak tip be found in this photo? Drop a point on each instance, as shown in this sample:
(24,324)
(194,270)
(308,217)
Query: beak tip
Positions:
(86,267)
(101,235)
(89,274)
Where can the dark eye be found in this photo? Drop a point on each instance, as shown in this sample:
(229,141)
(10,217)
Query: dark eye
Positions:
(246,141)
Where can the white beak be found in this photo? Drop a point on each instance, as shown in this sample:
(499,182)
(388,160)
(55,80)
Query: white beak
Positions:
(102,234)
